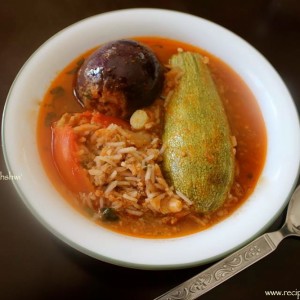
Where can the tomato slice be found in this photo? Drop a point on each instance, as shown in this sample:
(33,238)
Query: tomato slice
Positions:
(65,149)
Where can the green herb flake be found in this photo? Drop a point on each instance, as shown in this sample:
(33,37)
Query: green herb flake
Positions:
(78,65)
(80,62)
(58,91)
(73,71)
(48,105)
(109,214)
(50,118)
(88,95)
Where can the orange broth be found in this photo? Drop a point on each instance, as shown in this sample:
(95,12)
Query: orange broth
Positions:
(244,117)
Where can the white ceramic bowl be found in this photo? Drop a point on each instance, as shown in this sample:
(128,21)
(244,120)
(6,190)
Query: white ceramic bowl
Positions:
(21,155)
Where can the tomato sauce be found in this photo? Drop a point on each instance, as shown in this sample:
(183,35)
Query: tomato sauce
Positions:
(245,119)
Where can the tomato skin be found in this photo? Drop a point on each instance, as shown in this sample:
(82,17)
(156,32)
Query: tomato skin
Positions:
(103,120)
(65,149)
(107,120)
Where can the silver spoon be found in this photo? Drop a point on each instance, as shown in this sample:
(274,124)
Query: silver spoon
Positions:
(239,260)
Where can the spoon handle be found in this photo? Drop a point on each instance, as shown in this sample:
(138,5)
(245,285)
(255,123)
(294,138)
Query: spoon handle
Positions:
(223,270)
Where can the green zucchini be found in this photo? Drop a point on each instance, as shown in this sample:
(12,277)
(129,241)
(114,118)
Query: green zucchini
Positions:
(198,159)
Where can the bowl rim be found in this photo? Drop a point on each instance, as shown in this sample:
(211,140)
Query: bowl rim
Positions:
(83,249)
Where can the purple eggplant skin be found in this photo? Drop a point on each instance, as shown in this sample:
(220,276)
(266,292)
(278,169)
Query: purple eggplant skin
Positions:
(119,77)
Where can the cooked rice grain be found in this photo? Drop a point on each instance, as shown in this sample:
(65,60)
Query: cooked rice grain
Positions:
(126,172)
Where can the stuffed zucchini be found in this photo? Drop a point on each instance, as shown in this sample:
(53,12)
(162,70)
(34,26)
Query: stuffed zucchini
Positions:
(199,158)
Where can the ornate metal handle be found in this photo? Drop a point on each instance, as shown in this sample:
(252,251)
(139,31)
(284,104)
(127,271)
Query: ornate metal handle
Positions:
(223,270)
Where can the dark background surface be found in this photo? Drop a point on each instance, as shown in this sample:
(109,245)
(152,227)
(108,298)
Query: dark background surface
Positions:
(36,265)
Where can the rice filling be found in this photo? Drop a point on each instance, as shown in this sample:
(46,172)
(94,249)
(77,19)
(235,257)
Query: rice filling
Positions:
(124,167)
